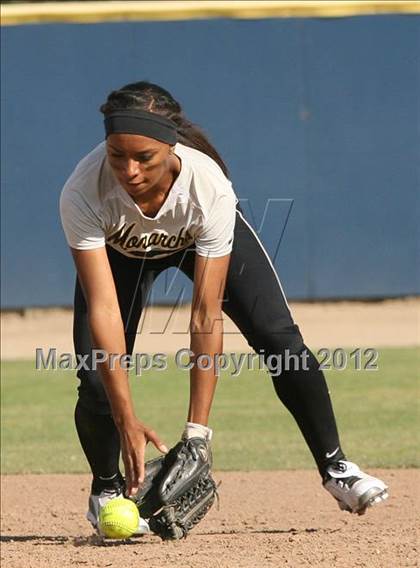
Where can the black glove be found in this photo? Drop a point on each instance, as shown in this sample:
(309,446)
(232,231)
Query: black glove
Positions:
(178,489)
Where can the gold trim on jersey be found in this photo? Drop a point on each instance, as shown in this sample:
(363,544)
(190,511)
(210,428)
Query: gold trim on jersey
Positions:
(89,12)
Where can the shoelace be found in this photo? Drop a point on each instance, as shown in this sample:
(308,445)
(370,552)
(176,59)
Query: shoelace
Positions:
(347,482)
(343,481)
(339,466)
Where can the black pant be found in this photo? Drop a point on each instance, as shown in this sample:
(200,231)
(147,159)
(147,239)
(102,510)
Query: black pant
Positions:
(254,300)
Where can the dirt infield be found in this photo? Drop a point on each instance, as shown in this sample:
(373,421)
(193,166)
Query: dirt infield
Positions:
(388,323)
(264,520)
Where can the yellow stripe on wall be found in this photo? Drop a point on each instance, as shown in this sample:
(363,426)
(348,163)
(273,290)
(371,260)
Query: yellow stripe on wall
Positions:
(87,12)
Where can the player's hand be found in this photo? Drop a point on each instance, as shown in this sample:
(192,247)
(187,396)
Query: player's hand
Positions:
(134,436)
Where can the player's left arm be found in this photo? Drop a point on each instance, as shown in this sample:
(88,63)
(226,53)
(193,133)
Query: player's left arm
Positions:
(206,329)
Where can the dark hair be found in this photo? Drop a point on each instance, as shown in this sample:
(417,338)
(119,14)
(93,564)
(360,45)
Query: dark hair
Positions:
(148,96)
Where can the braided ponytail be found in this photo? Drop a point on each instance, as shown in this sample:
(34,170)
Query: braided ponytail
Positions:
(148,96)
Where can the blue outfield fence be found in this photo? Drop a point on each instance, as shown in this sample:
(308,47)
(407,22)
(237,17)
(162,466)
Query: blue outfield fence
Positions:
(320,114)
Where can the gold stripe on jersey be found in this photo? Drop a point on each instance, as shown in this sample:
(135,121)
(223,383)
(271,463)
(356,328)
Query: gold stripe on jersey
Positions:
(93,12)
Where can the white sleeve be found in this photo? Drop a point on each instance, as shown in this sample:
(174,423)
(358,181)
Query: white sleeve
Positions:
(216,236)
(81,226)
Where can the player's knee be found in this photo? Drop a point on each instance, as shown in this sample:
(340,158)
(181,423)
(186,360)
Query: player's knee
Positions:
(92,394)
(266,340)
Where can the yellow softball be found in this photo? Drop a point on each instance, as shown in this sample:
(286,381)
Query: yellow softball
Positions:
(119,518)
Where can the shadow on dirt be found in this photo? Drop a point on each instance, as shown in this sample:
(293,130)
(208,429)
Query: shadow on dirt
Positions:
(36,539)
(95,540)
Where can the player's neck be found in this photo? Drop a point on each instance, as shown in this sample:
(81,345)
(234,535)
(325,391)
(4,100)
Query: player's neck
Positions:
(151,202)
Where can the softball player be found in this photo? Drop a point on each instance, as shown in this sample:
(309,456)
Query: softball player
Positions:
(156,194)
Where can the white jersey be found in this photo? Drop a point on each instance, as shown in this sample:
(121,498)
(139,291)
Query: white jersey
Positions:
(199,209)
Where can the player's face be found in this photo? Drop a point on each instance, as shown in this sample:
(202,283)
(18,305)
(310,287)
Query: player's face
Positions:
(139,163)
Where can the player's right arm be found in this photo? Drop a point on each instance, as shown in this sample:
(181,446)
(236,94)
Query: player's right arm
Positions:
(107,332)
(105,324)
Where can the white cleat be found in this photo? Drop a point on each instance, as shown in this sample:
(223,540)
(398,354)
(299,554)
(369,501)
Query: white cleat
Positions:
(354,490)
(96,502)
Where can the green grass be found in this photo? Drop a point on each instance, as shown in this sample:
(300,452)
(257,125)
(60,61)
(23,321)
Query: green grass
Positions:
(377,415)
